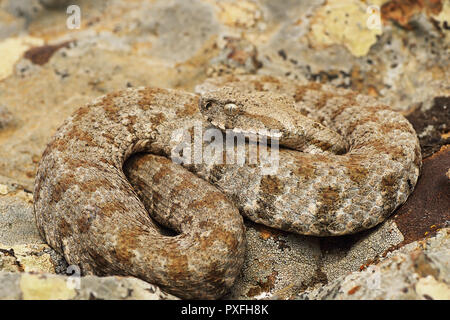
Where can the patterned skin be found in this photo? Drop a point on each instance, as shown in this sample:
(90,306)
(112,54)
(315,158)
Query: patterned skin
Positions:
(86,208)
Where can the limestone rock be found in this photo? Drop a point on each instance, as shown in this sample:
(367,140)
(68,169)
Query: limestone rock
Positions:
(421,271)
(29,286)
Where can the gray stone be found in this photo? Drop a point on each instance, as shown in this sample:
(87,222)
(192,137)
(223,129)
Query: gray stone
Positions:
(10,286)
(419,271)
(347,254)
(27,9)
(6,117)
(17,224)
(277,264)
(55,3)
(181,28)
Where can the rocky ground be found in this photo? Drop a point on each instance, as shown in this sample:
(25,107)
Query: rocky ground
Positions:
(48,70)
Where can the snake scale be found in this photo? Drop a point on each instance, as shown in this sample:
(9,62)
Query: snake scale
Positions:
(346,162)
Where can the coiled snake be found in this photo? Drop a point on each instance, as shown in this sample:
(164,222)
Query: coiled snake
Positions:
(346,162)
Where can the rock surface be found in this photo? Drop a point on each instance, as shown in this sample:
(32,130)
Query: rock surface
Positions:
(420,271)
(397,53)
(29,286)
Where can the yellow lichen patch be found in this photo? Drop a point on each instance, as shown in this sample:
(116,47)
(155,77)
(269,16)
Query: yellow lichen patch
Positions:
(444,15)
(238,13)
(45,287)
(31,257)
(430,287)
(3,189)
(12,49)
(346,22)
(28,197)
(142,48)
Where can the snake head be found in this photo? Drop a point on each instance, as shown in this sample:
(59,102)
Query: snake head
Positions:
(222,106)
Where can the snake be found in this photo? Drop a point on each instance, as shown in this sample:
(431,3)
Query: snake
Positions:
(109,197)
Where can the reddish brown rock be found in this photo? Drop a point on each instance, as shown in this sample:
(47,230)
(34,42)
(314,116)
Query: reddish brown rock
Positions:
(41,55)
(402,11)
(428,208)
(432,126)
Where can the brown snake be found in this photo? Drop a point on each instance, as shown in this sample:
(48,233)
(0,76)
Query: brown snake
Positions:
(346,163)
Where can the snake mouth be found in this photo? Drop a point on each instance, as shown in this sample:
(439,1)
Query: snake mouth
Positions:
(259,133)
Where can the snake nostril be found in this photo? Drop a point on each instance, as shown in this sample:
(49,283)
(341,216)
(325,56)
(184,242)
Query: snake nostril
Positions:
(208,105)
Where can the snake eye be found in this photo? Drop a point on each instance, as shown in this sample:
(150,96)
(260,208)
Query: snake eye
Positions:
(230,108)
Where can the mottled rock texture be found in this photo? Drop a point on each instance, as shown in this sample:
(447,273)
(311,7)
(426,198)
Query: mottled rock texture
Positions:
(31,286)
(421,272)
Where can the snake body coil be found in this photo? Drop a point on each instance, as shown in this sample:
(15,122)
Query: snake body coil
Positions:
(86,209)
